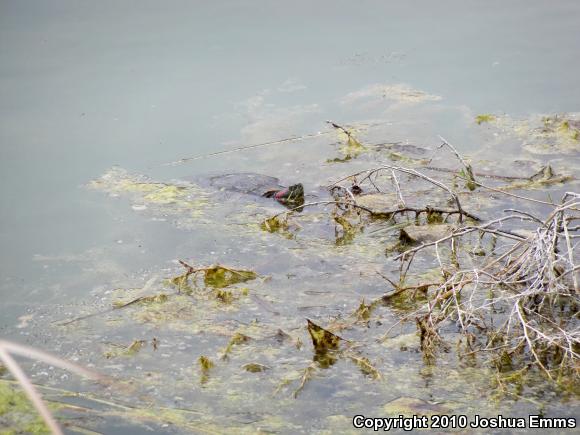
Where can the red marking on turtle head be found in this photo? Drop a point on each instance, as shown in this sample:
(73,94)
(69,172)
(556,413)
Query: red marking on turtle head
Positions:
(280,194)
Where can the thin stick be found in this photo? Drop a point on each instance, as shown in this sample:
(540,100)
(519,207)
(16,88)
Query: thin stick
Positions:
(246,147)
(309,204)
(570,255)
(348,192)
(463,162)
(32,353)
(464,231)
(530,344)
(479,174)
(145,288)
(513,194)
(396,183)
(415,174)
(341,128)
(531,216)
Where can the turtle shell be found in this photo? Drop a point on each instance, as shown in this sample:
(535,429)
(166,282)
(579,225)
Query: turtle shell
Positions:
(246,182)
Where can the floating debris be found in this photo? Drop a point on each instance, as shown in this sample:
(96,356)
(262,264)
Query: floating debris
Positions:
(255,367)
(217,276)
(322,339)
(236,340)
(483,118)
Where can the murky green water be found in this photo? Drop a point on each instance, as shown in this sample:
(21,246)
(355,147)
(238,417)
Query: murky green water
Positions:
(115,92)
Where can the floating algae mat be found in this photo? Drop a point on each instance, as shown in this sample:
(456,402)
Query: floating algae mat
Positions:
(540,134)
(296,320)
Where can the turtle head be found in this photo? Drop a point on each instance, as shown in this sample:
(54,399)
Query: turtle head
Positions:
(296,193)
(292,196)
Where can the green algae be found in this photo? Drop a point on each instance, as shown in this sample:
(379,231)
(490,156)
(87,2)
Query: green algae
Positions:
(205,365)
(17,415)
(255,367)
(117,350)
(363,311)
(237,340)
(348,230)
(147,194)
(220,276)
(217,277)
(350,147)
(365,366)
(225,296)
(484,118)
(403,158)
(275,224)
(551,134)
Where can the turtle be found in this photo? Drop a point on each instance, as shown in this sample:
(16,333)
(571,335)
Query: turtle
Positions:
(260,185)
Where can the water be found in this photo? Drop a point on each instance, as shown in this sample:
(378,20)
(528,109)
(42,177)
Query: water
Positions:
(86,86)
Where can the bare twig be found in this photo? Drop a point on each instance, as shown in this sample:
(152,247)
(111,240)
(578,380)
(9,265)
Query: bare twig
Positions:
(531,277)
(413,173)
(398,188)
(247,147)
(468,169)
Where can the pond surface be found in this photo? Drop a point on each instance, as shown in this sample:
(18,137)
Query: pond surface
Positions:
(100,103)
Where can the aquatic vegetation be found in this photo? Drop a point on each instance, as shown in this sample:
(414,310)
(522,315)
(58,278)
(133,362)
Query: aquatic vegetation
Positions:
(484,117)
(220,276)
(552,134)
(225,296)
(147,194)
(328,348)
(255,367)
(116,350)
(399,93)
(17,412)
(12,405)
(322,339)
(345,231)
(364,311)
(236,340)
(365,366)
(275,224)
(216,276)
(205,365)
(148,300)
(350,148)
